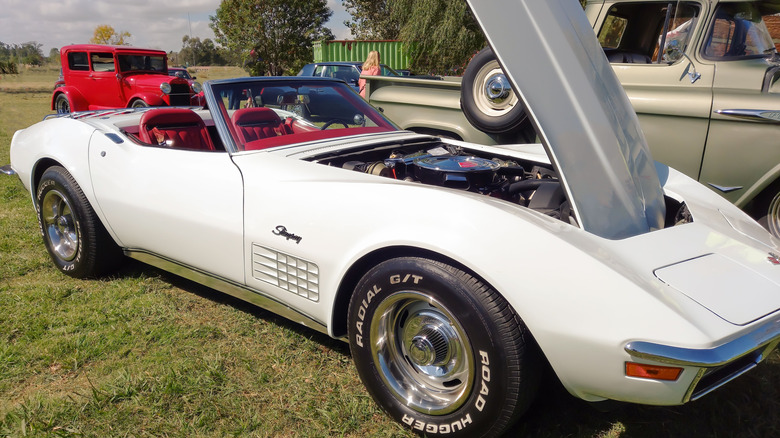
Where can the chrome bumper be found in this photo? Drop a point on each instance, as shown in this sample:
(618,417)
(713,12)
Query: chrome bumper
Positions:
(718,365)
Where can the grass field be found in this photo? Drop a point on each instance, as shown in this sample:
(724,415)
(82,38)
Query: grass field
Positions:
(146,354)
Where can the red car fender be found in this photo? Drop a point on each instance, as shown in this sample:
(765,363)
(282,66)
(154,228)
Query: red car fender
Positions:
(77,101)
(151,99)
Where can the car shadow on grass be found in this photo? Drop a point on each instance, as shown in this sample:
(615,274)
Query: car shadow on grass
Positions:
(133,268)
(746,407)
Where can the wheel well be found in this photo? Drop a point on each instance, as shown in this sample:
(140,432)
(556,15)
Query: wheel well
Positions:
(363,265)
(41,167)
(756,207)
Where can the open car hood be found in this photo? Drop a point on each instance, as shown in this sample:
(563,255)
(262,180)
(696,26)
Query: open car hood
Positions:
(549,52)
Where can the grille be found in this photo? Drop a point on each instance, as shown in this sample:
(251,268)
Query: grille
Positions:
(285,271)
(180,95)
(716,377)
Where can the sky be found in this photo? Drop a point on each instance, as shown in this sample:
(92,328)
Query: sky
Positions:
(153,24)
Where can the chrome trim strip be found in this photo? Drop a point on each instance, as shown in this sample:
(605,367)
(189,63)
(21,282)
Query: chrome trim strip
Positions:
(725,189)
(764,116)
(766,335)
(229,287)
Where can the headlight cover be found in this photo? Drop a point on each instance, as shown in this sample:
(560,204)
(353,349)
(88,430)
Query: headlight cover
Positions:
(196,87)
(165,87)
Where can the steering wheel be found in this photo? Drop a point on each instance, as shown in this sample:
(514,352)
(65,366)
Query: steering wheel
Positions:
(334,121)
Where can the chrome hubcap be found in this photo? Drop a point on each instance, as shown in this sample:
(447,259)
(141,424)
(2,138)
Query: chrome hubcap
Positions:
(59,225)
(422,353)
(497,89)
(492,92)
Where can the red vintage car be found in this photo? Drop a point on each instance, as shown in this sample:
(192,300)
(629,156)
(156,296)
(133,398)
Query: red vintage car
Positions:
(100,77)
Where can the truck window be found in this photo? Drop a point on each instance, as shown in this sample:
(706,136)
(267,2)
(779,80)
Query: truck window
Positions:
(738,31)
(633,32)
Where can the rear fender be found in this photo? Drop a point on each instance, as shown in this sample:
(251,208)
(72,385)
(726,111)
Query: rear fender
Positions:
(75,98)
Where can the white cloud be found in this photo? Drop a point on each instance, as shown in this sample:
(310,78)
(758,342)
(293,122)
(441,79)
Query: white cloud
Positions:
(152,23)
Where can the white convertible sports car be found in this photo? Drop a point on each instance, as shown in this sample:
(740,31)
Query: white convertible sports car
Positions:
(456,271)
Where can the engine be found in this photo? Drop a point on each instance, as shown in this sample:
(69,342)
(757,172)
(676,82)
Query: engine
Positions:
(448,166)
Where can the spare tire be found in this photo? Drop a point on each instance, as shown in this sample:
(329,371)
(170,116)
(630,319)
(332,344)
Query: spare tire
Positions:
(487,98)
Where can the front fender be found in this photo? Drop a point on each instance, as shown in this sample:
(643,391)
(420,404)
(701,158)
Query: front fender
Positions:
(151,99)
(76,99)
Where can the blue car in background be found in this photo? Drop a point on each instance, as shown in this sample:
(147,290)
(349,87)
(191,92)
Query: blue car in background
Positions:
(349,72)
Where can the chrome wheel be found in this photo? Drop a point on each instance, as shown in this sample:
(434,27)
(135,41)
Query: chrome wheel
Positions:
(59,225)
(61,104)
(487,99)
(492,91)
(422,354)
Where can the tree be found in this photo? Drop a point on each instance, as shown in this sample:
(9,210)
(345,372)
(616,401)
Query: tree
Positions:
(442,35)
(272,36)
(371,20)
(105,34)
(197,52)
(54,56)
(27,53)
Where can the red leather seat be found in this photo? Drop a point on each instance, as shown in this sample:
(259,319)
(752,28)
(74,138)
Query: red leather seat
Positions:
(256,123)
(176,128)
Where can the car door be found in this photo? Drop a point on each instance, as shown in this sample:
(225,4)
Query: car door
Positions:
(78,74)
(183,205)
(104,91)
(671,98)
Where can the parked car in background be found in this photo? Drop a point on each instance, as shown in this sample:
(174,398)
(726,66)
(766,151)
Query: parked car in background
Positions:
(459,273)
(708,102)
(181,73)
(347,71)
(100,77)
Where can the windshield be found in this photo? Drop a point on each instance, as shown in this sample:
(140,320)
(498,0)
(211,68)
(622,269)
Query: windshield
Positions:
(738,31)
(132,63)
(262,113)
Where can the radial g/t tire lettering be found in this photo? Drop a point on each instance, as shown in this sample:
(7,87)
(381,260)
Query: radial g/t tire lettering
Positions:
(77,242)
(439,350)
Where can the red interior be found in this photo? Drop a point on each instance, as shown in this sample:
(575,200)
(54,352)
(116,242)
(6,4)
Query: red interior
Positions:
(176,128)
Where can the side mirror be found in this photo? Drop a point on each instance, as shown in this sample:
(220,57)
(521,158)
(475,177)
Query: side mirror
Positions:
(673,52)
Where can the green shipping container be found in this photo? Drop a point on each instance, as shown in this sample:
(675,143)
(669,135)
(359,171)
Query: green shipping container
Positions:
(392,53)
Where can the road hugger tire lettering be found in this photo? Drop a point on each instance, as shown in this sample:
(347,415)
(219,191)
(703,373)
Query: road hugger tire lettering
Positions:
(439,350)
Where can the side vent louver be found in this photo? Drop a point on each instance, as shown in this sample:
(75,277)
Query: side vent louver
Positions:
(285,271)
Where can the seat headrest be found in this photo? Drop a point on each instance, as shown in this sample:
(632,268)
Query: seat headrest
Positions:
(255,116)
(170,116)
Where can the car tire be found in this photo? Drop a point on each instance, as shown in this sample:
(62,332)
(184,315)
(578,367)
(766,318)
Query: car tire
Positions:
(139,103)
(487,98)
(62,104)
(439,350)
(77,242)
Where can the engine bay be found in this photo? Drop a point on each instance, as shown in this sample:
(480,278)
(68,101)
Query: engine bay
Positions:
(437,163)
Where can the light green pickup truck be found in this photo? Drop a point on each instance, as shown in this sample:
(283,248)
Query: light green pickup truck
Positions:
(708,102)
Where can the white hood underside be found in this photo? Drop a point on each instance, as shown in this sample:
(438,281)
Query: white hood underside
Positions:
(549,52)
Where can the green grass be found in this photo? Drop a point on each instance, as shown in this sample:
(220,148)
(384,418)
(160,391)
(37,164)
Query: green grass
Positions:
(144,353)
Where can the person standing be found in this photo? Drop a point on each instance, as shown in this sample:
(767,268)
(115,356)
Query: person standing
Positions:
(370,68)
